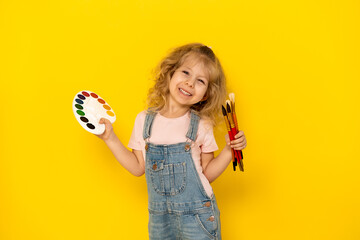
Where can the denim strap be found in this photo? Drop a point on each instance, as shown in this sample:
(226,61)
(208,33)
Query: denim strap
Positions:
(150,115)
(194,124)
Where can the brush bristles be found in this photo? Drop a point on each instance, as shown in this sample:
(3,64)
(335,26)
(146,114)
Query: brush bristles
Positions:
(223,110)
(228,108)
(232,97)
(228,102)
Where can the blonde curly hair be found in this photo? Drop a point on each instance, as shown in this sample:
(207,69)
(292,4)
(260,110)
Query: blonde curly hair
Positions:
(215,95)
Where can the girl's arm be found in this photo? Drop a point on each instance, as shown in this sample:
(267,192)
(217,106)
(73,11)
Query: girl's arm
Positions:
(131,161)
(214,167)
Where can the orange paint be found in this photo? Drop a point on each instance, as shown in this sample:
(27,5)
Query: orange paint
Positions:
(107,107)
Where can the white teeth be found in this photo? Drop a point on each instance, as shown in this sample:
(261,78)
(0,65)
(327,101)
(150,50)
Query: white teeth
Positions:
(184,92)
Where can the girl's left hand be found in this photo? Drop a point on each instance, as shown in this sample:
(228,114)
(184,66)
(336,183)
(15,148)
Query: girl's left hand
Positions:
(239,143)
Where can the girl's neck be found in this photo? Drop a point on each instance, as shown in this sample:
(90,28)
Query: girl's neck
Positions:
(173,112)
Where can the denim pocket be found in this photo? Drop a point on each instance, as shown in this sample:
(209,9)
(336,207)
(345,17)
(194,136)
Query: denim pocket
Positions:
(167,179)
(208,223)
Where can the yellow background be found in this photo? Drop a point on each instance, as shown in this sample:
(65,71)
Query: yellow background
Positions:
(293,65)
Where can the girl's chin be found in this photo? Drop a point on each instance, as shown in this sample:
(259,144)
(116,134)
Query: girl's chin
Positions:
(183,102)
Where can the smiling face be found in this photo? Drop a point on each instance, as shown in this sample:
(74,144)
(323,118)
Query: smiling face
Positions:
(188,84)
(178,83)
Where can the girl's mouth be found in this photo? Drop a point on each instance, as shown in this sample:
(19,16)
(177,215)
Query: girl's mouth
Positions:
(184,92)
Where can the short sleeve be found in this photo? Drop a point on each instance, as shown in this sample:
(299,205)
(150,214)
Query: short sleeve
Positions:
(136,135)
(208,140)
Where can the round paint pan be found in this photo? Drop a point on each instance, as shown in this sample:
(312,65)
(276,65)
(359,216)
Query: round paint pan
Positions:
(89,108)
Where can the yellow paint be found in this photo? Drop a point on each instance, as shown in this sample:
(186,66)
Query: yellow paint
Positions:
(110,113)
(293,65)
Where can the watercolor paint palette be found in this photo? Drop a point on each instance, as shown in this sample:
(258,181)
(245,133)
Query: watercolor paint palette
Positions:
(89,108)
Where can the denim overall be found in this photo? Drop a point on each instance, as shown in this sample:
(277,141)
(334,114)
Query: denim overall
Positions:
(179,208)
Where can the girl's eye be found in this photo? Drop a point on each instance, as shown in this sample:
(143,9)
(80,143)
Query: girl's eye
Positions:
(202,81)
(186,72)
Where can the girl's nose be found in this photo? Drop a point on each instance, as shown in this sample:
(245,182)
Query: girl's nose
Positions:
(190,82)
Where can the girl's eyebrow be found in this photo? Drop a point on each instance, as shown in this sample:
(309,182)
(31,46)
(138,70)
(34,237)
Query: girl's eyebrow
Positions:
(187,67)
(191,70)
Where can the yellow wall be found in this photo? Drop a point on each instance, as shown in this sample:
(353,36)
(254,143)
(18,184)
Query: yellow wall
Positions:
(294,66)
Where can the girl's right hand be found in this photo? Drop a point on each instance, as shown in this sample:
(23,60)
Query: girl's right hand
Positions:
(109,132)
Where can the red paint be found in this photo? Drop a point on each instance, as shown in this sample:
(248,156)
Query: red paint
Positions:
(101,101)
(94,95)
(85,94)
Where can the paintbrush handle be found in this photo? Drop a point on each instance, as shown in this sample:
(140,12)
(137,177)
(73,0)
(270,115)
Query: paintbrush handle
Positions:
(232,137)
(235,121)
(233,154)
(235,130)
(232,150)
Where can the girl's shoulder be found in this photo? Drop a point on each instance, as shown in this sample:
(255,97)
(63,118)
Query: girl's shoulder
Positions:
(142,114)
(205,124)
(205,134)
(140,117)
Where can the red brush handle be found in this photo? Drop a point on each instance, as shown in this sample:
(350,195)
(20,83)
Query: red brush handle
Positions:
(232,137)
(232,150)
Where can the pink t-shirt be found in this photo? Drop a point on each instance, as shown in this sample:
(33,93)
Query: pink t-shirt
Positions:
(178,127)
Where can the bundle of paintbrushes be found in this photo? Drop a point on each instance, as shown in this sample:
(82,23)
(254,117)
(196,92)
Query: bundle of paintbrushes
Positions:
(233,129)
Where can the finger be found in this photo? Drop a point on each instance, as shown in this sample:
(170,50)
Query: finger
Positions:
(239,145)
(242,137)
(242,144)
(239,134)
(242,147)
(102,120)
(236,141)
(107,123)
(238,149)
(239,140)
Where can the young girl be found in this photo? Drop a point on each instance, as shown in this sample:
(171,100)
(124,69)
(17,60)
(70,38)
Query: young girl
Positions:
(173,144)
